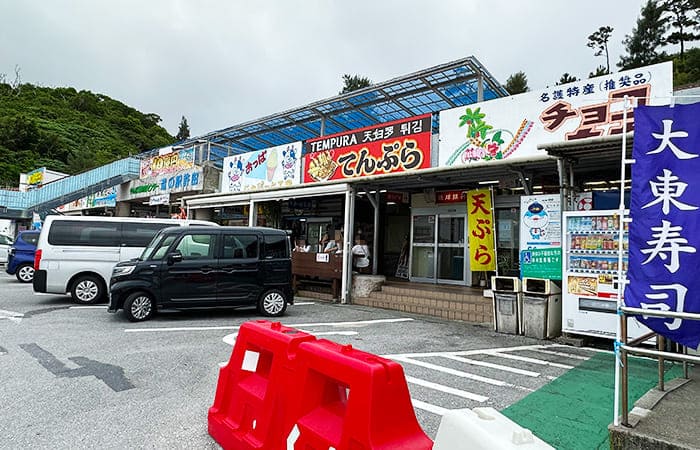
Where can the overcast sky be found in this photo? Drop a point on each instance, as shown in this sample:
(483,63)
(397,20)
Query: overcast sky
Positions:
(223,62)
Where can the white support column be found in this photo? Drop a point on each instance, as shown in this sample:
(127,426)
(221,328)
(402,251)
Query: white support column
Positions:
(252,214)
(348,228)
(374,200)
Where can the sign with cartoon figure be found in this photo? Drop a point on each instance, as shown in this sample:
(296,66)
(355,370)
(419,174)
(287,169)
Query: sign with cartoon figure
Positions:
(272,167)
(510,128)
(540,221)
(540,236)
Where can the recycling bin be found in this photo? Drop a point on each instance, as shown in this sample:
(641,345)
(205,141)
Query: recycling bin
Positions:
(541,308)
(507,304)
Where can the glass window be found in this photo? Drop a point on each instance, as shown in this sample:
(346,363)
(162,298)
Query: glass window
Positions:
(424,229)
(74,232)
(240,246)
(451,230)
(276,246)
(195,246)
(140,234)
(5,240)
(30,238)
(158,246)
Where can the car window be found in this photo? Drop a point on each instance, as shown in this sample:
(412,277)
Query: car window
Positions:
(30,238)
(276,246)
(5,240)
(160,247)
(195,246)
(240,246)
(74,232)
(140,234)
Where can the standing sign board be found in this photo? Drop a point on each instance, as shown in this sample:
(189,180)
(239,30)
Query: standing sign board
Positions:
(398,146)
(540,236)
(482,251)
(510,128)
(665,209)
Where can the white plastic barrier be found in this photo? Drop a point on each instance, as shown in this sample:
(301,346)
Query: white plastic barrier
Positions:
(484,429)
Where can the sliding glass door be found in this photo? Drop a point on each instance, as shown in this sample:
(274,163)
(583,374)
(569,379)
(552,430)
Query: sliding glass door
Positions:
(438,249)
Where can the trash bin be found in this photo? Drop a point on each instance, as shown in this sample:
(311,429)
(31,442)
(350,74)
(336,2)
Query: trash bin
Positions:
(541,308)
(507,304)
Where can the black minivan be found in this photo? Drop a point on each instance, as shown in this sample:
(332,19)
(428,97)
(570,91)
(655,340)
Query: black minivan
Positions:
(206,267)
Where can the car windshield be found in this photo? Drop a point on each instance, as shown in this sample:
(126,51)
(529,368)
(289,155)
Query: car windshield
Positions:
(160,248)
(155,242)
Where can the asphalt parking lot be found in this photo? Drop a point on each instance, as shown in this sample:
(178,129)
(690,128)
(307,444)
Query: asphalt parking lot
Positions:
(80,377)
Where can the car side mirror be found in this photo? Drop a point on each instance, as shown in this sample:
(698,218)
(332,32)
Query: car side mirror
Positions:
(174,257)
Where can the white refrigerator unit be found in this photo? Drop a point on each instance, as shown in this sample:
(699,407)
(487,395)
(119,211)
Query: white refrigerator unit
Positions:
(590,273)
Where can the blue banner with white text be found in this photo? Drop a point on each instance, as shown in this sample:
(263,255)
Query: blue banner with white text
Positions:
(664,261)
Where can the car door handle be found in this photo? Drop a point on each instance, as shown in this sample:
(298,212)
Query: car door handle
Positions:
(207,269)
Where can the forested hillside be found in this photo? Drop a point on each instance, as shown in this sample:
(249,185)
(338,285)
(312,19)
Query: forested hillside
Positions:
(68,130)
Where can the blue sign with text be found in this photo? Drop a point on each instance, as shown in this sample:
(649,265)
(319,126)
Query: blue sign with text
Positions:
(664,261)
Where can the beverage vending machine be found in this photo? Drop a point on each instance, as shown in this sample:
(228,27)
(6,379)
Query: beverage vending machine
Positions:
(590,273)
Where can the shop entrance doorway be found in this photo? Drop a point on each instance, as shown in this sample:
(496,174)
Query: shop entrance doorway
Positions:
(439,252)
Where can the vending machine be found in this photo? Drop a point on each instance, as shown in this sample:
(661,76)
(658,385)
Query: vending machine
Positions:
(590,273)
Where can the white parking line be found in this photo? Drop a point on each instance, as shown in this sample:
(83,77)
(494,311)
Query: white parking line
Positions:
(459,373)
(358,323)
(565,355)
(529,360)
(11,316)
(439,410)
(447,389)
(470,352)
(527,373)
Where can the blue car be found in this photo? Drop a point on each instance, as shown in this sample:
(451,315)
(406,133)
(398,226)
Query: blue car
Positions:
(20,261)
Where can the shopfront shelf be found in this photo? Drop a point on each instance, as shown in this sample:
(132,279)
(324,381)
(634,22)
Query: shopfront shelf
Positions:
(596,271)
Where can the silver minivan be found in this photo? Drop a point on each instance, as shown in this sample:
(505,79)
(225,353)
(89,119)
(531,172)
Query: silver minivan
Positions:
(76,254)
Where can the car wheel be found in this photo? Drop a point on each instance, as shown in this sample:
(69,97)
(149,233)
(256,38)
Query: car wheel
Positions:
(25,273)
(272,303)
(139,306)
(87,290)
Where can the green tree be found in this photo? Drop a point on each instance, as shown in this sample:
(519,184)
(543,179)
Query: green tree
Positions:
(184,131)
(517,83)
(598,41)
(682,23)
(599,72)
(642,46)
(566,78)
(354,82)
(68,130)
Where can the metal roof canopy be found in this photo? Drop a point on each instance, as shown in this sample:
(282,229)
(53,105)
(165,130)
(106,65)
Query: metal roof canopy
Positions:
(444,178)
(449,85)
(592,158)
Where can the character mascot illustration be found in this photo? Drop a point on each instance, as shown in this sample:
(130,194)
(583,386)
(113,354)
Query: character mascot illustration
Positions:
(235,173)
(536,219)
(289,157)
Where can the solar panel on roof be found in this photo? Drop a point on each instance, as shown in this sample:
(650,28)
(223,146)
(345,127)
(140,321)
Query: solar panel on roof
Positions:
(276,122)
(297,132)
(254,143)
(365,98)
(275,138)
(354,119)
(301,115)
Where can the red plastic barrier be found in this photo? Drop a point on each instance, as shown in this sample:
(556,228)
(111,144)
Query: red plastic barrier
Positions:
(252,406)
(352,400)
